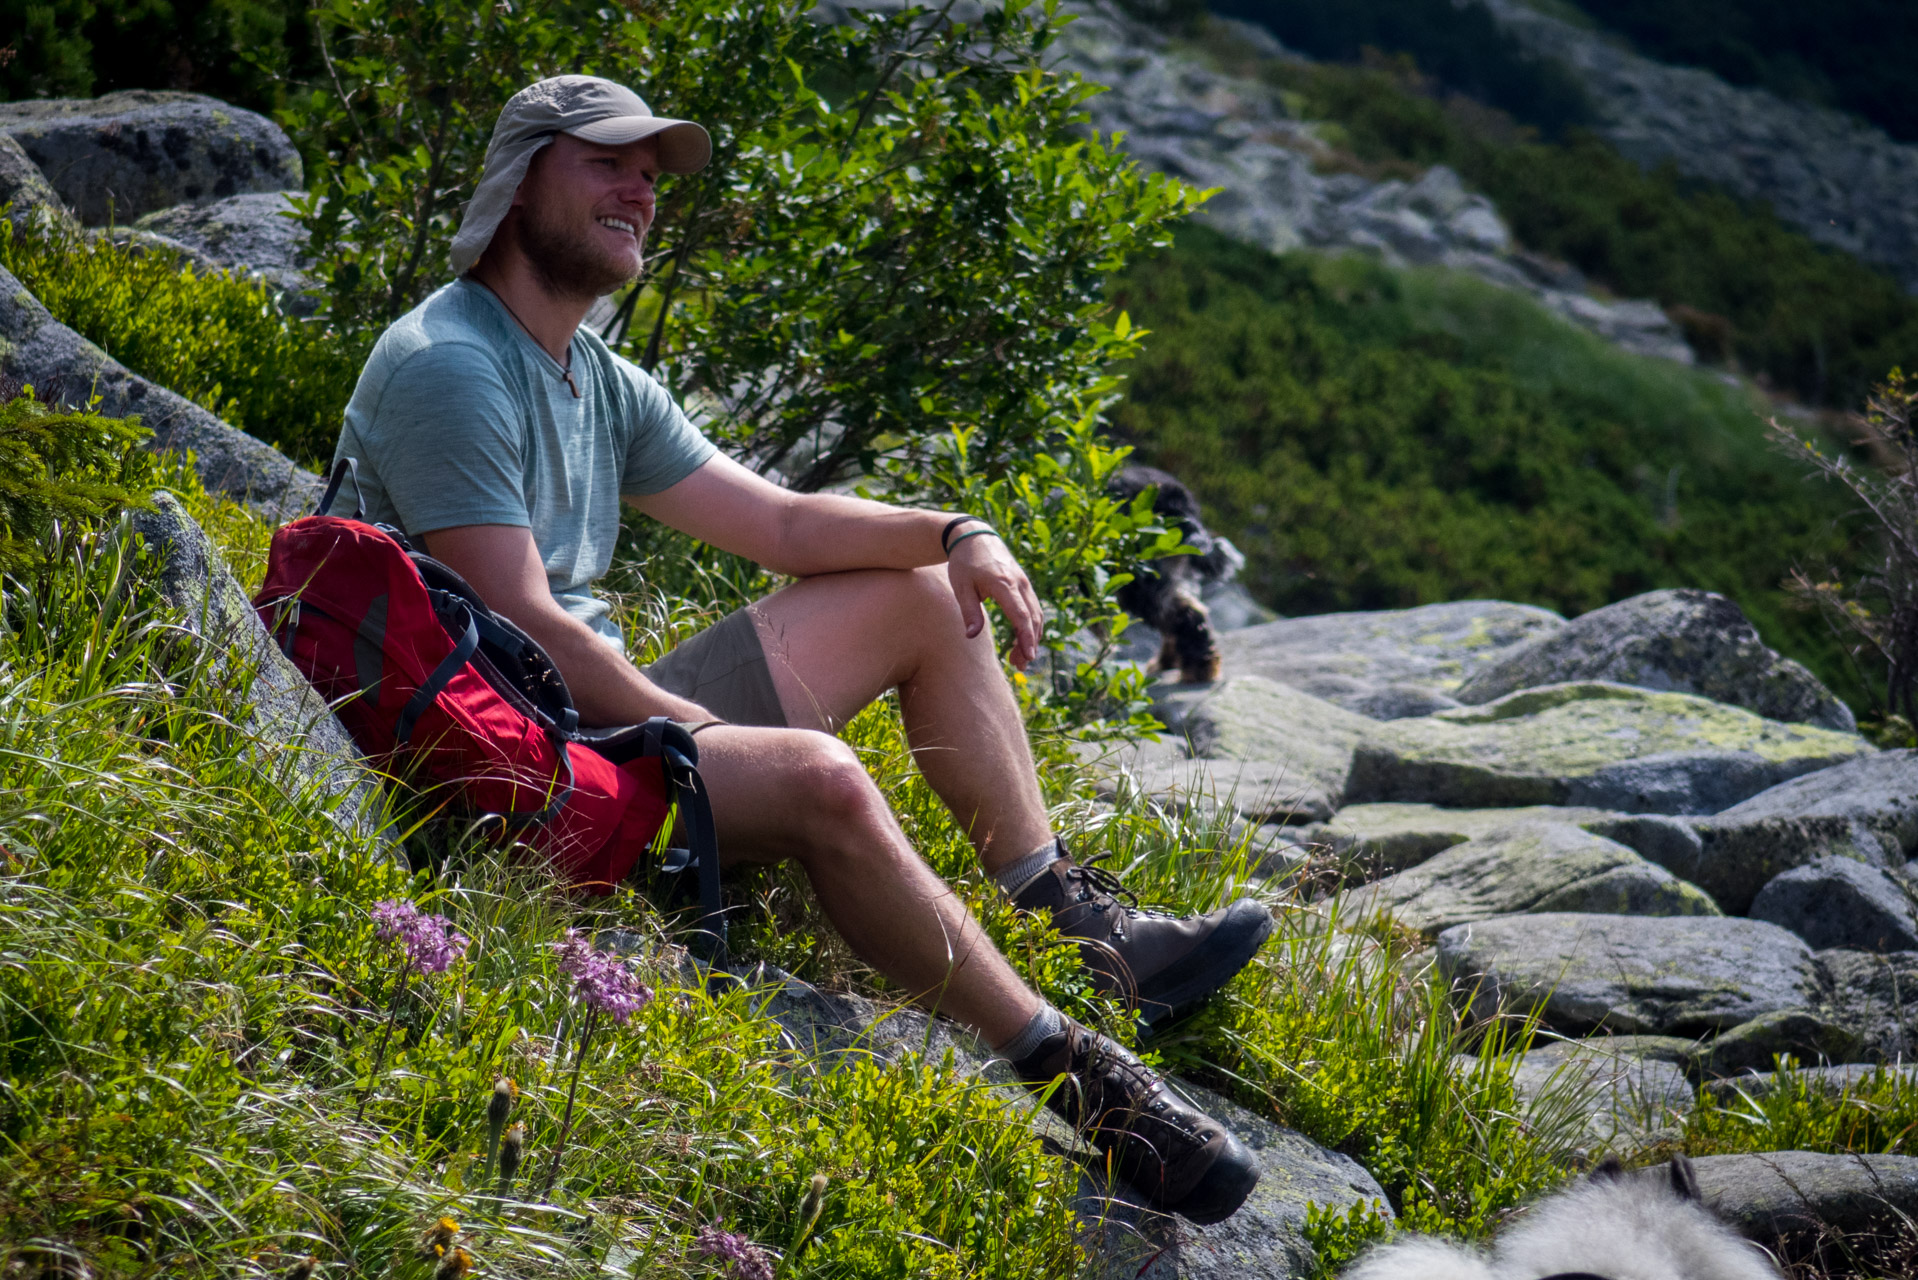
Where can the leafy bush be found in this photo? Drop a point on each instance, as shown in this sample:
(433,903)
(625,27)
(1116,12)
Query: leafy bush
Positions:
(217,340)
(1811,320)
(1379,439)
(1849,54)
(62,469)
(1460,44)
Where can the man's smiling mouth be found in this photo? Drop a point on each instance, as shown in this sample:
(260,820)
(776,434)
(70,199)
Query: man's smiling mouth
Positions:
(618,224)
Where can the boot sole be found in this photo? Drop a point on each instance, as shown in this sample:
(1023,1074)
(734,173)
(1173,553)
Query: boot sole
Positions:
(1223,1189)
(1232,945)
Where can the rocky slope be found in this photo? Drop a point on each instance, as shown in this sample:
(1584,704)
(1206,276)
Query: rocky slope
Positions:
(1839,180)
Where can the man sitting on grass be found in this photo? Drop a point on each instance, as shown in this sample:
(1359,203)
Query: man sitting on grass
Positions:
(489,425)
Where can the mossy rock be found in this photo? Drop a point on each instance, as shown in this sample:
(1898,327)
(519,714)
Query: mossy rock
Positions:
(1605,746)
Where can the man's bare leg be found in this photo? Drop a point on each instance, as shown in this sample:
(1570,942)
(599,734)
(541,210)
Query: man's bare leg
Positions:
(800,794)
(836,642)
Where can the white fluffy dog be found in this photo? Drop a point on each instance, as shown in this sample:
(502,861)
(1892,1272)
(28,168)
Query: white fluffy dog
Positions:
(1614,1225)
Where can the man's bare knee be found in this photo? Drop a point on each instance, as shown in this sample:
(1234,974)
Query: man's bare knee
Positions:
(837,807)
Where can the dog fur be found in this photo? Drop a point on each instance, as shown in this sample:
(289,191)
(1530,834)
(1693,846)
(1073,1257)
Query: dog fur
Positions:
(1166,598)
(1613,1225)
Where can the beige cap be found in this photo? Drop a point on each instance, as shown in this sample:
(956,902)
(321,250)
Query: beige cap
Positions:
(587,107)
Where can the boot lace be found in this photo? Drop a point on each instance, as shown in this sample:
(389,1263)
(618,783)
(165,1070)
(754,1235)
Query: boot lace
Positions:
(1100,888)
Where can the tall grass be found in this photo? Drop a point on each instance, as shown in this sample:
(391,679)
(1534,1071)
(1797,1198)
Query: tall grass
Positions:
(193,1004)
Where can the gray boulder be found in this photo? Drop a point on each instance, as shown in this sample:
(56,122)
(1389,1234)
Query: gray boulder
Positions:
(1840,902)
(1264,1240)
(27,190)
(1768,1194)
(1865,809)
(1679,641)
(1278,753)
(1386,664)
(298,734)
(1526,867)
(118,158)
(1607,746)
(254,233)
(1875,997)
(1658,975)
(64,368)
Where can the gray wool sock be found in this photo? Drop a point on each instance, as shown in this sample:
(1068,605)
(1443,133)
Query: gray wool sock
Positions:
(1045,1024)
(1017,876)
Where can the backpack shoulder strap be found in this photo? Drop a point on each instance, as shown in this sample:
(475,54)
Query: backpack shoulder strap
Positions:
(341,470)
(679,755)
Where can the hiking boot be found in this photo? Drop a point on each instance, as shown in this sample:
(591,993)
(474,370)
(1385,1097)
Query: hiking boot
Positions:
(1157,962)
(1180,1159)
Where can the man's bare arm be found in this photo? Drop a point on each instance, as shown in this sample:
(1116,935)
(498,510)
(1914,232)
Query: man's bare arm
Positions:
(503,565)
(804,534)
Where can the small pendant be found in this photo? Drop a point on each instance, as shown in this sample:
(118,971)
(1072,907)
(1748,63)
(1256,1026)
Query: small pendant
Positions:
(568,375)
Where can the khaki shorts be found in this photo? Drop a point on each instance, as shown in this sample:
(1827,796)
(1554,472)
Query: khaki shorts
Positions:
(723,669)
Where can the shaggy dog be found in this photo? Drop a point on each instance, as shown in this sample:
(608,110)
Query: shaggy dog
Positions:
(1166,598)
(1612,1226)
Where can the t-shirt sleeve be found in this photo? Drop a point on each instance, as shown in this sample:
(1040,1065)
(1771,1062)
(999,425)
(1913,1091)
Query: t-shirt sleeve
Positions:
(447,441)
(665,447)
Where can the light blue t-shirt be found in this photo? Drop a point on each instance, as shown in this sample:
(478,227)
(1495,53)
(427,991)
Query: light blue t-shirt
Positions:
(461,418)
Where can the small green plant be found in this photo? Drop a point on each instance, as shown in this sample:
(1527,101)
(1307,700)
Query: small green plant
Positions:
(1798,1110)
(1877,614)
(218,340)
(62,468)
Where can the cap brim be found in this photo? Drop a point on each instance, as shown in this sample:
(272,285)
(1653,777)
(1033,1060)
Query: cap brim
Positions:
(684,147)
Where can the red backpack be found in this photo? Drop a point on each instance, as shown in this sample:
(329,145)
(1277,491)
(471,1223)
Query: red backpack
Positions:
(437,689)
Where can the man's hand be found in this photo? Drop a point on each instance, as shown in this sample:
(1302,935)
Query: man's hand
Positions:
(983,569)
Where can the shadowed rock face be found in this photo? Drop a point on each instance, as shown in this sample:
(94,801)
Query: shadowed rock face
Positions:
(1677,641)
(1269,749)
(1606,746)
(123,156)
(1839,902)
(1865,809)
(1671,975)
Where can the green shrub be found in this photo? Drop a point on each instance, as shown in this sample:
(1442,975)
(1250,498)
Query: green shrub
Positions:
(62,468)
(1374,438)
(1810,320)
(217,340)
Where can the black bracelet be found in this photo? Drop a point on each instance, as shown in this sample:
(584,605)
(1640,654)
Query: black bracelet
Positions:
(945,536)
(972,533)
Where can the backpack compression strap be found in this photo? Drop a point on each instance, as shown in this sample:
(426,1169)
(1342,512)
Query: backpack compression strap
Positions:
(677,752)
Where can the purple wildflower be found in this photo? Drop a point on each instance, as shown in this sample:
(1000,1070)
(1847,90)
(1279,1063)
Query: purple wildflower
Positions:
(744,1259)
(602,979)
(430,946)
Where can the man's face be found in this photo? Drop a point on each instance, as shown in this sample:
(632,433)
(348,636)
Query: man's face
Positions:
(583,213)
